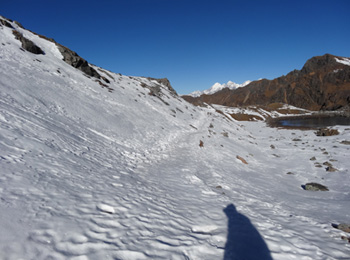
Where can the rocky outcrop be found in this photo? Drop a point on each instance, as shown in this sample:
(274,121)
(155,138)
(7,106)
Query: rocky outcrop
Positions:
(322,84)
(5,23)
(73,59)
(69,56)
(165,82)
(27,44)
(342,226)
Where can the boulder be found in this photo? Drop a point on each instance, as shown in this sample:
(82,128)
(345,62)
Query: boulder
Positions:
(327,132)
(343,227)
(312,186)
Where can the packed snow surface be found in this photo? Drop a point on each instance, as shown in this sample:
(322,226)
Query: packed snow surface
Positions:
(217,87)
(88,173)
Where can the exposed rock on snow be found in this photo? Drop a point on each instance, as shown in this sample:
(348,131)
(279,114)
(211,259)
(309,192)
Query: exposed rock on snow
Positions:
(73,59)
(343,227)
(5,23)
(312,186)
(165,82)
(327,132)
(28,45)
(331,169)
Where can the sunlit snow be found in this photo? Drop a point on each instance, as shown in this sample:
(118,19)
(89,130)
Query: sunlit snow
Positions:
(91,174)
(344,61)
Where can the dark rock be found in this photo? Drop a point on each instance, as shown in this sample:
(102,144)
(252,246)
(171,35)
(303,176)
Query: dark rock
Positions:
(327,164)
(345,142)
(343,227)
(6,23)
(27,44)
(313,158)
(201,144)
(73,59)
(331,169)
(312,186)
(318,165)
(327,132)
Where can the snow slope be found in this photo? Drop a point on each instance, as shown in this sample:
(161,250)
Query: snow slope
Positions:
(217,87)
(88,173)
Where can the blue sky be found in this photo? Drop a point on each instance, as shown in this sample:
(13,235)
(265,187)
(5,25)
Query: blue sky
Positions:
(192,43)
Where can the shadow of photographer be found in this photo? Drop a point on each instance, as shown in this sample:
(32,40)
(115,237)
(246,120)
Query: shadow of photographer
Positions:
(243,240)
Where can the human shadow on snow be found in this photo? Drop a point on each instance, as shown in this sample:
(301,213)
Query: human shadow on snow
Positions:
(243,240)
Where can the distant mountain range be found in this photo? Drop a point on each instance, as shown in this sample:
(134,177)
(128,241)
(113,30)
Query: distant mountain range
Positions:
(217,87)
(322,84)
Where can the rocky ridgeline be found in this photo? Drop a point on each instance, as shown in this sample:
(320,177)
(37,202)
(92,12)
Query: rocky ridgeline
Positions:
(73,59)
(69,56)
(322,84)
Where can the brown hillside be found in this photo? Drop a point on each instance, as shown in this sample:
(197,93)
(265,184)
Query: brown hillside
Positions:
(322,84)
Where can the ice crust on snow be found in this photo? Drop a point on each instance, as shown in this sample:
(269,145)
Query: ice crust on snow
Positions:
(92,174)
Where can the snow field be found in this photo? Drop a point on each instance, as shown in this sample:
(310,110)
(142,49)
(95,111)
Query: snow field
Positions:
(92,174)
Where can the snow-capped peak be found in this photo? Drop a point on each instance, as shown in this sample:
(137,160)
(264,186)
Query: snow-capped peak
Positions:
(217,87)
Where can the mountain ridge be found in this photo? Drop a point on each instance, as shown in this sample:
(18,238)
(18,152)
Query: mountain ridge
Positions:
(323,83)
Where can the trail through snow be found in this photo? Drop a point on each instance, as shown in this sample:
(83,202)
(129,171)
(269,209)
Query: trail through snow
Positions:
(88,173)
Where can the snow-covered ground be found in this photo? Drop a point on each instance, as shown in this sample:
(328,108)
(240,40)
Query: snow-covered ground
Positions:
(91,174)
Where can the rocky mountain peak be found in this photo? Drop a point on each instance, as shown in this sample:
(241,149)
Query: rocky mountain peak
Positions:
(319,63)
(322,84)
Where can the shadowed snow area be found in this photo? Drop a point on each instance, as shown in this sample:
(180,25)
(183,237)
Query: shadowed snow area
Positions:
(97,170)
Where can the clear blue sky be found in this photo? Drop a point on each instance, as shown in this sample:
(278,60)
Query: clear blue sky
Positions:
(192,43)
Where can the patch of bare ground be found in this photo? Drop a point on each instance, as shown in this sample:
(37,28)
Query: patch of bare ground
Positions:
(246,117)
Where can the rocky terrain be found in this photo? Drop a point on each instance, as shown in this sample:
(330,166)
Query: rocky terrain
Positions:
(322,84)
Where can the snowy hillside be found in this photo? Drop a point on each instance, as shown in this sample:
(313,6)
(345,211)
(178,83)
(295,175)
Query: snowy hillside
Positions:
(129,170)
(217,87)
